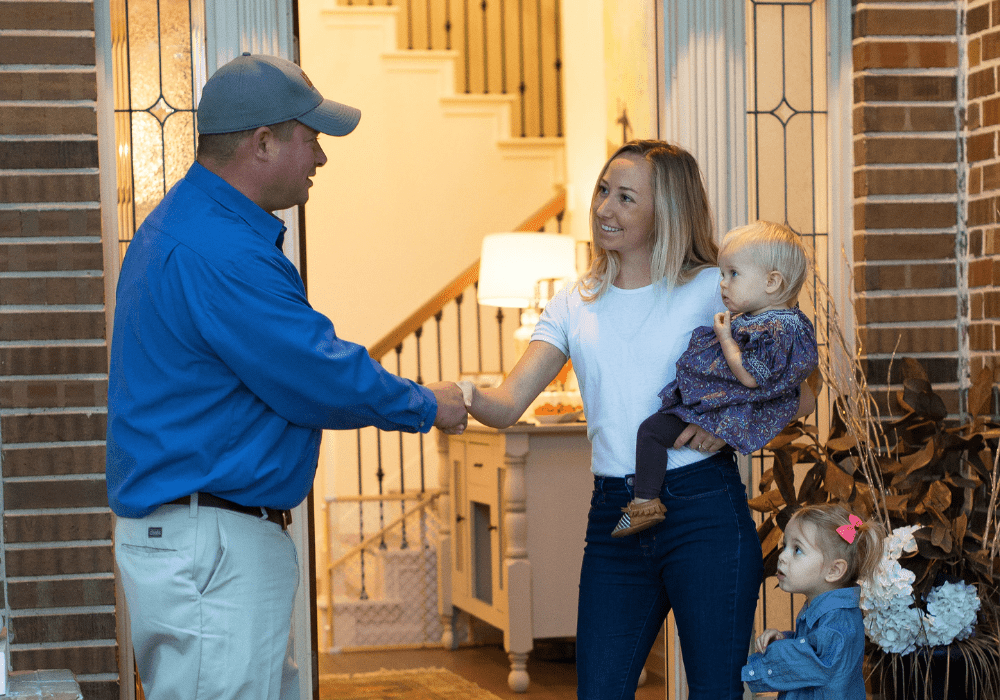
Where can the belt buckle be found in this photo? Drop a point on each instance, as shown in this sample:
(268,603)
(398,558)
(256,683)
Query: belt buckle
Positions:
(279,517)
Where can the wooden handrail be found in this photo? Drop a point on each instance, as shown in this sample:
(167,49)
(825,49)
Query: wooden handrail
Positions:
(408,496)
(422,504)
(418,318)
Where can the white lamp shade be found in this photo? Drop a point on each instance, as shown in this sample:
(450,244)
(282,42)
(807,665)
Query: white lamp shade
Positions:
(511,265)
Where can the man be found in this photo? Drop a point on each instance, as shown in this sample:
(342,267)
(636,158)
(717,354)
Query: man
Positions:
(222,379)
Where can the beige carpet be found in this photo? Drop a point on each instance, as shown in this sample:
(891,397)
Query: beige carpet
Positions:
(410,684)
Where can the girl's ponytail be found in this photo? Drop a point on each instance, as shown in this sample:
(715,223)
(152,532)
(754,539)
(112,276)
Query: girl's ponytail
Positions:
(846,536)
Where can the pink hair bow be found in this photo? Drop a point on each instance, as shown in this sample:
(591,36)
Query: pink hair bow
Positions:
(850,531)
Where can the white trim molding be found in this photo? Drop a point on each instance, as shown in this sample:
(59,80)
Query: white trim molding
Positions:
(840,135)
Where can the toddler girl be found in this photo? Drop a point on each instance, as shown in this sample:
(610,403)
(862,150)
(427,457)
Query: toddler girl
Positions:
(826,550)
(739,379)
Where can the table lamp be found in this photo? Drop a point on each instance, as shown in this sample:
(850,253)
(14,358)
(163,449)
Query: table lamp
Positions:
(523,271)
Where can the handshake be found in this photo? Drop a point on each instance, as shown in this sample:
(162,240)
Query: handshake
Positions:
(452,406)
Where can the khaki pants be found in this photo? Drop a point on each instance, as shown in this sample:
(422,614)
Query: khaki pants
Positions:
(210,595)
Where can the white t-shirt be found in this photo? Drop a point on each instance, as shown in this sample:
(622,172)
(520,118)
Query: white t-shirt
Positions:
(624,348)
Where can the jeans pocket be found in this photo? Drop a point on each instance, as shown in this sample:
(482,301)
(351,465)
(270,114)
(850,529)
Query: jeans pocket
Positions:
(696,481)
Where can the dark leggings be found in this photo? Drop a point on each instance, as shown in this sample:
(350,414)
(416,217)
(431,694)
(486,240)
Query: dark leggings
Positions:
(656,435)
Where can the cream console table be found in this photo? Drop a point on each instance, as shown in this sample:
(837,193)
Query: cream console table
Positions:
(519,502)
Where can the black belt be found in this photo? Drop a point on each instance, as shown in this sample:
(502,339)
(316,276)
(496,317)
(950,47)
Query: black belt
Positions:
(278,517)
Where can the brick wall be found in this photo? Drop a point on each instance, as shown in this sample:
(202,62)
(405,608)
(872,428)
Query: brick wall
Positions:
(983,125)
(57,553)
(910,236)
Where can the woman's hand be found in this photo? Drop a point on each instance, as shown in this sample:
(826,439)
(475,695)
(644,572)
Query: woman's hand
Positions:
(699,439)
(766,638)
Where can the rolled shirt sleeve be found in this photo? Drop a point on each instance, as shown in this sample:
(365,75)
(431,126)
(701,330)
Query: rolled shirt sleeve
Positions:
(789,664)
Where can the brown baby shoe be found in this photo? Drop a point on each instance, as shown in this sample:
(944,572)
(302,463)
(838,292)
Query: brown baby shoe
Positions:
(639,516)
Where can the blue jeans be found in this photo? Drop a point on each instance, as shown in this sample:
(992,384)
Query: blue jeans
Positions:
(703,561)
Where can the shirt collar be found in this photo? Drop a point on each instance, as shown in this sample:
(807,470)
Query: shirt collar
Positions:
(849,597)
(262,222)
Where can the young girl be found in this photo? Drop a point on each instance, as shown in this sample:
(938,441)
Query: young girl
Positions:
(826,550)
(738,379)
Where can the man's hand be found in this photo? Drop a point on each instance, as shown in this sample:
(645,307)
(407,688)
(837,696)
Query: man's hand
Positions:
(452,416)
(699,439)
(766,638)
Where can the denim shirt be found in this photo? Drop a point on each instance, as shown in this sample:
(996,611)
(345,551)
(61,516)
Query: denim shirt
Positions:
(822,660)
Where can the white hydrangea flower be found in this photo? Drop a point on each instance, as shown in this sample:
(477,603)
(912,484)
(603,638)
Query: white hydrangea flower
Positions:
(894,626)
(889,581)
(890,618)
(951,613)
(901,540)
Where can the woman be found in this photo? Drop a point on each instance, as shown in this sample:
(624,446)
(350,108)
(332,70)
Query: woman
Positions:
(653,280)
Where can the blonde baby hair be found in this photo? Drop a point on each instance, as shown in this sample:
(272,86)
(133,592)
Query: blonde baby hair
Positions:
(777,247)
(862,555)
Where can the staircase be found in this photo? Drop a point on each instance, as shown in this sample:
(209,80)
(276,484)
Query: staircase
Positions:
(426,159)
(446,168)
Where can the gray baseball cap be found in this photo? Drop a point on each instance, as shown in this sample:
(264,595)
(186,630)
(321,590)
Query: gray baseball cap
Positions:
(254,91)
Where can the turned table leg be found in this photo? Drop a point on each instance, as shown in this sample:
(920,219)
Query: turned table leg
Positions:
(518,679)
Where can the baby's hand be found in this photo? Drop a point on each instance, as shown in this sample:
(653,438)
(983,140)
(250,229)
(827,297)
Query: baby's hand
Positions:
(766,638)
(723,326)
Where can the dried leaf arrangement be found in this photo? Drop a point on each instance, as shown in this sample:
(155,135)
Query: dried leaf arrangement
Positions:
(935,483)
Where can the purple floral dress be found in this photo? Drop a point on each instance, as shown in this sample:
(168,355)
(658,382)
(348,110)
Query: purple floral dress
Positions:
(779,351)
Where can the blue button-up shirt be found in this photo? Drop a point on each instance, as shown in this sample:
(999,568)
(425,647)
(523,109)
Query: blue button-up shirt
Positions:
(822,660)
(222,375)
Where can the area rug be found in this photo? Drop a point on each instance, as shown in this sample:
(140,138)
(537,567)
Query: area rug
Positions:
(409,684)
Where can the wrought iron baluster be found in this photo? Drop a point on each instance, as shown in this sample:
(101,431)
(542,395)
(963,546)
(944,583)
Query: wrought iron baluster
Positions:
(380,475)
(420,436)
(447,24)
(503,47)
(558,66)
(409,24)
(440,353)
(416,334)
(468,69)
(402,472)
(361,527)
(458,318)
(541,68)
(486,57)
(522,87)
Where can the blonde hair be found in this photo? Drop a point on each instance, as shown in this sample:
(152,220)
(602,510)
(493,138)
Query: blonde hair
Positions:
(776,247)
(862,555)
(683,243)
